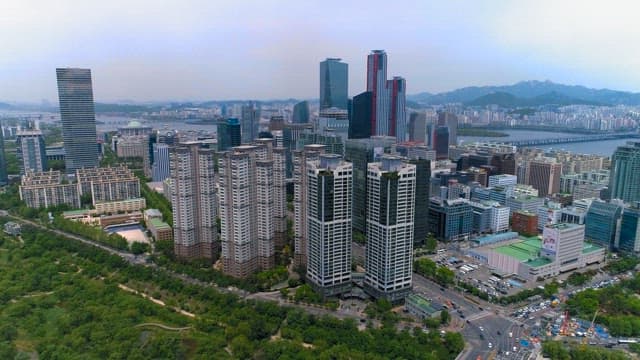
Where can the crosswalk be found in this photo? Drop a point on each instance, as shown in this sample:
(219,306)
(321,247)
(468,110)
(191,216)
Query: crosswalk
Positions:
(479,315)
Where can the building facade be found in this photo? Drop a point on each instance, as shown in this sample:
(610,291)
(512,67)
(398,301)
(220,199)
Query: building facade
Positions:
(625,173)
(75,93)
(602,223)
(193,198)
(31,151)
(334,84)
(329,187)
(390,212)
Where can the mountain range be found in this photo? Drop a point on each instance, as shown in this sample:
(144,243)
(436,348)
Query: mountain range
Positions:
(529,93)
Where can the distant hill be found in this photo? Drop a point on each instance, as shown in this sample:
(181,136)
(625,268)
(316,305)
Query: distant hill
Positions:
(574,94)
(508,100)
(5,106)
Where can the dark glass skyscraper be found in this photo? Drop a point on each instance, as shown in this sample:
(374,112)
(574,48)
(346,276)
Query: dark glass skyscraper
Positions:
(602,222)
(334,84)
(360,116)
(75,93)
(397,108)
(630,229)
(624,181)
(441,142)
(250,122)
(301,112)
(228,134)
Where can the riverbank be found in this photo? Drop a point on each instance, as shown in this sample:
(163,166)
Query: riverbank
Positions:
(480,132)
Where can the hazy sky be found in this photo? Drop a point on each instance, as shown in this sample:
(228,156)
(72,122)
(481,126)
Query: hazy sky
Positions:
(215,49)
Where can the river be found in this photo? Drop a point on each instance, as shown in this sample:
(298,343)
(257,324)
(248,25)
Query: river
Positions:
(604,148)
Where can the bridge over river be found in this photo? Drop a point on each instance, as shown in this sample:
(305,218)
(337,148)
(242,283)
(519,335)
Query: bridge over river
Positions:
(576,139)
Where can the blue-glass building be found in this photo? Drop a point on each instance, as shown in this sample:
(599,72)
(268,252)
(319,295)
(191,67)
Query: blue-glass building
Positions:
(630,229)
(602,223)
(334,84)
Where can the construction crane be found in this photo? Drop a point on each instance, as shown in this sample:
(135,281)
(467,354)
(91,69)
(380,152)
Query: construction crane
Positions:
(564,329)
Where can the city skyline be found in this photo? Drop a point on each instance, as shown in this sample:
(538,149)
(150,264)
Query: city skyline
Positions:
(437,47)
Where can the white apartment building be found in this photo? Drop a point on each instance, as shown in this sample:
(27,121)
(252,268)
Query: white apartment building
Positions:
(329,193)
(390,210)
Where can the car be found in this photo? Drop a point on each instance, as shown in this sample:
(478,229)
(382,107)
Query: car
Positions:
(499,333)
(481,328)
(462,316)
(441,289)
(468,322)
(490,345)
(510,334)
(480,308)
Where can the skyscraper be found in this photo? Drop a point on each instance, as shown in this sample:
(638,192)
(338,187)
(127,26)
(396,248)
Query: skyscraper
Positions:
(301,113)
(334,84)
(329,184)
(418,128)
(300,192)
(360,152)
(624,182)
(229,134)
(377,84)
(250,122)
(423,177)
(544,175)
(31,150)
(248,216)
(77,113)
(360,116)
(390,211)
(193,198)
(441,142)
(397,108)
(451,121)
(160,169)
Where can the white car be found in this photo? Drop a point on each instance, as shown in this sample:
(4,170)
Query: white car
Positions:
(510,334)
(490,345)
(481,328)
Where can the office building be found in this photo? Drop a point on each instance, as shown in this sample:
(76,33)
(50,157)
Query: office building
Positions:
(160,170)
(503,180)
(193,199)
(630,229)
(524,223)
(377,85)
(397,108)
(625,172)
(250,122)
(450,220)
(524,202)
(544,175)
(77,113)
(135,128)
(31,151)
(603,222)
(418,127)
(333,142)
(390,212)
(300,113)
(334,84)
(290,135)
(361,152)
(329,186)
(229,134)
(451,122)
(301,159)
(45,189)
(441,142)
(276,123)
(549,214)
(360,116)
(423,175)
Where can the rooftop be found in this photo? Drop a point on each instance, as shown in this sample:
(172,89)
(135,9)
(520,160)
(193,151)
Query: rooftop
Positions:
(159,224)
(421,303)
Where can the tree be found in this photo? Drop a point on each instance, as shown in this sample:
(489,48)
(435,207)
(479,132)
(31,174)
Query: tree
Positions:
(444,276)
(138,248)
(445,317)
(431,243)
(555,350)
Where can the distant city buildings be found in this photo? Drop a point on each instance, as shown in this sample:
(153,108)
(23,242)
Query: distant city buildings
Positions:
(250,122)
(75,93)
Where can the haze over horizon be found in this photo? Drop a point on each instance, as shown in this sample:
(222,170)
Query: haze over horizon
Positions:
(199,50)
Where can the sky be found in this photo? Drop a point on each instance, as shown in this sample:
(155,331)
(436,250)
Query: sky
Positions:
(270,49)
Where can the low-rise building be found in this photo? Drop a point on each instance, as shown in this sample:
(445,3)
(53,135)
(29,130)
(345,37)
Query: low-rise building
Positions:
(12,228)
(160,230)
(421,308)
(114,207)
